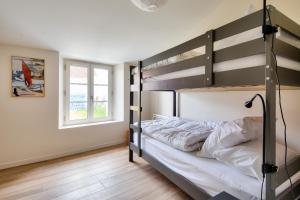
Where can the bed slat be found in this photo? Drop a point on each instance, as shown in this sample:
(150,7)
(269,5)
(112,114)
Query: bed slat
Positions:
(288,76)
(231,78)
(284,22)
(184,47)
(293,168)
(245,49)
(286,50)
(287,195)
(239,77)
(240,25)
(175,84)
(182,65)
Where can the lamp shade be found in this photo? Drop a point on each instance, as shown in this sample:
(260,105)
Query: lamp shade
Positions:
(149,5)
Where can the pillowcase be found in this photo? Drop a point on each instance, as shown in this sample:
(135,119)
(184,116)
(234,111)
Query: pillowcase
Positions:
(247,158)
(231,133)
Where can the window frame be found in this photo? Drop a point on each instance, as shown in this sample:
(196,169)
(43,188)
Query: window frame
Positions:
(90,92)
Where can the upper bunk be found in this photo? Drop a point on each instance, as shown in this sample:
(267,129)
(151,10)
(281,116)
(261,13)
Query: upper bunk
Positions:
(231,56)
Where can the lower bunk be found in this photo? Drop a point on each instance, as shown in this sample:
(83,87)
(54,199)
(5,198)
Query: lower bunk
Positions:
(205,178)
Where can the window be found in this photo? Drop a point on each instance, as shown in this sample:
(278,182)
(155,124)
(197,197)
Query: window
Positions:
(88,93)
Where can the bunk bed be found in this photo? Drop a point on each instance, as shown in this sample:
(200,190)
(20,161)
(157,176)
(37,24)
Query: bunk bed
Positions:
(235,56)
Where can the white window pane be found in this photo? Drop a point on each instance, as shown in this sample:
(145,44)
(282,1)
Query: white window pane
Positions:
(100,93)
(100,76)
(78,74)
(78,111)
(100,110)
(78,93)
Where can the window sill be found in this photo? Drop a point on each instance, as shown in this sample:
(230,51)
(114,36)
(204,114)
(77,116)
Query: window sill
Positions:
(68,126)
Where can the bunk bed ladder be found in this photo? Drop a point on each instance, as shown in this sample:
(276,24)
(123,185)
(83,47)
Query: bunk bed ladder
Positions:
(131,101)
(139,113)
(135,88)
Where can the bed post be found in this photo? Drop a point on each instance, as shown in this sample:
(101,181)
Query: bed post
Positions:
(209,49)
(139,115)
(270,137)
(174,104)
(131,102)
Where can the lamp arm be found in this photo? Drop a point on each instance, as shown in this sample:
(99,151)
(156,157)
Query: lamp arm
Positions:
(264,130)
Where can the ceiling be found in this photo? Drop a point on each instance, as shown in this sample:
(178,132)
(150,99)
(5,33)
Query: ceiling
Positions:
(110,31)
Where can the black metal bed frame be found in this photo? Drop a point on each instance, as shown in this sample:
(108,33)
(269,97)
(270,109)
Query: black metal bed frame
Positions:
(252,76)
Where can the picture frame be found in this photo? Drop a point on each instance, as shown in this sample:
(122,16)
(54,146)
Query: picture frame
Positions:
(28,77)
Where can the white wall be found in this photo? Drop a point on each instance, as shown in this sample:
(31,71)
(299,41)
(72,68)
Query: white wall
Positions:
(29,126)
(229,105)
(228,10)
(119,88)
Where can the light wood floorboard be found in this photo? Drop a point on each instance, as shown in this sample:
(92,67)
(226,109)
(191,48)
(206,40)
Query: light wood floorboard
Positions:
(103,174)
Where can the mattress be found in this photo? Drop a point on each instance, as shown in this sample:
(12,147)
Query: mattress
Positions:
(208,174)
(251,61)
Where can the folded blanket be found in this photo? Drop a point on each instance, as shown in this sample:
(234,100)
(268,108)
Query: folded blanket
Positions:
(185,135)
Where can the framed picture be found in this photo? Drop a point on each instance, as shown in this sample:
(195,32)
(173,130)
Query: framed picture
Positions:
(28,77)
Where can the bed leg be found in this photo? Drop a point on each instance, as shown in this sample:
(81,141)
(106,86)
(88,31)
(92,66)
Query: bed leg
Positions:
(130,155)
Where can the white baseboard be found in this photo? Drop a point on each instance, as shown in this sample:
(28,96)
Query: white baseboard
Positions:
(57,155)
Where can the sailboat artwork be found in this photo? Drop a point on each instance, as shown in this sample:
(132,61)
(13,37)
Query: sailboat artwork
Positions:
(28,77)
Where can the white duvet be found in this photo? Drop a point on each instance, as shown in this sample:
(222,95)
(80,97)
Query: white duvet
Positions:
(247,157)
(185,135)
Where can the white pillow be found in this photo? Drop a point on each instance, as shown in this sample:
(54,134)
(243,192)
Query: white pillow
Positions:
(247,157)
(231,133)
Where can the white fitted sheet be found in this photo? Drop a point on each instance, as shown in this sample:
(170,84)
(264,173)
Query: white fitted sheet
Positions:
(251,61)
(208,174)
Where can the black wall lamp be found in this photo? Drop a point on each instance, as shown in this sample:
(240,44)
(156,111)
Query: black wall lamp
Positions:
(266,168)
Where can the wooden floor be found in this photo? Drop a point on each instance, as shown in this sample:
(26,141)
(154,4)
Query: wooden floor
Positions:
(98,175)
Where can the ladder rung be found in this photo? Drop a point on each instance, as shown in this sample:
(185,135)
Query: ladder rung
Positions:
(134,127)
(132,68)
(133,73)
(135,78)
(136,149)
(136,108)
(134,88)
